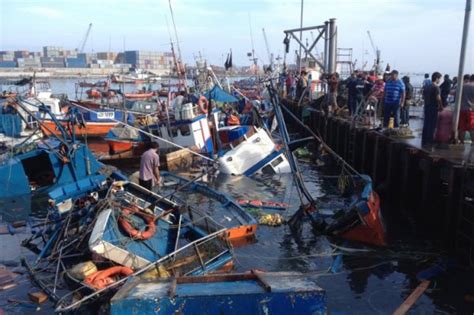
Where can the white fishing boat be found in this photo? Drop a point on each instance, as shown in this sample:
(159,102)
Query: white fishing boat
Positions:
(249,150)
(135,76)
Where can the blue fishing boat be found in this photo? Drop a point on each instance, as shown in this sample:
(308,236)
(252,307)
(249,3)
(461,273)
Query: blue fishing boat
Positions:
(46,166)
(168,238)
(247,293)
(225,210)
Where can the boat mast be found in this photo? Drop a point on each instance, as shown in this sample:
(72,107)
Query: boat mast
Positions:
(297,176)
(180,67)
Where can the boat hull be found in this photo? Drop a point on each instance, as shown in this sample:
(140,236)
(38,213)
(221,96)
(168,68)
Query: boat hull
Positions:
(249,293)
(91,129)
(119,146)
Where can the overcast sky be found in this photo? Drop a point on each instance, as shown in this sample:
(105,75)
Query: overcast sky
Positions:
(415,36)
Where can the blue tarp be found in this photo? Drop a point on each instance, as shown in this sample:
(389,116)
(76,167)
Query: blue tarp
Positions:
(219,95)
(10,125)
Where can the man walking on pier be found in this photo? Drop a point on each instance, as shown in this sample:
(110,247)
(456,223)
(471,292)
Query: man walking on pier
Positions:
(433,104)
(466,116)
(394,97)
(149,167)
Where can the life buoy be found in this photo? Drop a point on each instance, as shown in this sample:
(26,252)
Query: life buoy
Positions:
(103,278)
(233,120)
(203,104)
(133,232)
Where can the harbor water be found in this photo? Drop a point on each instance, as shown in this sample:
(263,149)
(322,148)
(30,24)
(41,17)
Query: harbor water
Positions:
(358,279)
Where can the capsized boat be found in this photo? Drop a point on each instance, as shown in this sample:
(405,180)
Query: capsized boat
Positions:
(361,220)
(167,233)
(249,150)
(244,293)
(41,167)
(209,202)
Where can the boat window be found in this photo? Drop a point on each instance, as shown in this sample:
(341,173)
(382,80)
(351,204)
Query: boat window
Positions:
(174,131)
(277,161)
(268,169)
(39,170)
(185,130)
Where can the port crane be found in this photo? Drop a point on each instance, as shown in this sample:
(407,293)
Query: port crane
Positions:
(82,44)
(377,54)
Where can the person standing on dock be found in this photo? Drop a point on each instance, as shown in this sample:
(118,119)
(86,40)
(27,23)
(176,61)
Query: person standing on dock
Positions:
(333,84)
(149,167)
(405,110)
(466,115)
(433,104)
(394,98)
(445,88)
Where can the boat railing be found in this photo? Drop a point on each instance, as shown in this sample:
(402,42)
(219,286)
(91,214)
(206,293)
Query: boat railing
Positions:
(197,257)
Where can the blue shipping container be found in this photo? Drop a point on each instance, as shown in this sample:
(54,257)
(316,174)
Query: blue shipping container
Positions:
(7,64)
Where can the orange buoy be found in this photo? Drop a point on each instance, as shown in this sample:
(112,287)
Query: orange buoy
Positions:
(103,278)
(203,104)
(133,232)
(233,120)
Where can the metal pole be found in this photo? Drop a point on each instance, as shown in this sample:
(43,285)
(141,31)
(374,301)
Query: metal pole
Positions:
(301,37)
(457,106)
(326,46)
(332,46)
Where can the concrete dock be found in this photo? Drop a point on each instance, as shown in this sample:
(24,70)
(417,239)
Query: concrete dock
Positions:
(434,189)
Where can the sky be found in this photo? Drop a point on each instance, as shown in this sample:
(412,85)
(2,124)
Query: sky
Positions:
(413,35)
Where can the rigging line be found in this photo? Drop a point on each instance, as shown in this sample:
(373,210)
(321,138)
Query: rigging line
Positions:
(149,134)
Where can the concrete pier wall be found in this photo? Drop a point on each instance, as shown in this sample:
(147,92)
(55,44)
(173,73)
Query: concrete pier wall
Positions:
(434,192)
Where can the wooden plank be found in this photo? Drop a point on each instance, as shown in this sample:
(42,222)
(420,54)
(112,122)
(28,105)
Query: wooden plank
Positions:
(412,298)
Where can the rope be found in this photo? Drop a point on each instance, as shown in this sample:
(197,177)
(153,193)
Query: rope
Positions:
(149,134)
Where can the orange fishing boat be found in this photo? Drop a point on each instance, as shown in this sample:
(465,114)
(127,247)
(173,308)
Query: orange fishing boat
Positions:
(90,129)
(139,95)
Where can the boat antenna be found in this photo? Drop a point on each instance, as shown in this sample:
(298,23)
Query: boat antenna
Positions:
(253,47)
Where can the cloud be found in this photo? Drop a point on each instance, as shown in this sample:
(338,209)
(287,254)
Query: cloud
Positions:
(43,11)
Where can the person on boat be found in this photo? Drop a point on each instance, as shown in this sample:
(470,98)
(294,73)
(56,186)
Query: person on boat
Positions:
(149,175)
(466,115)
(394,98)
(433,104)
(445,88)
(405,110)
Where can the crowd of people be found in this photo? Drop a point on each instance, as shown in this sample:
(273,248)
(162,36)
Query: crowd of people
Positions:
(391,98)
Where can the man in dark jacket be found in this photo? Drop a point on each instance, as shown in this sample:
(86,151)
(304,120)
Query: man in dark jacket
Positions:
(445,88)
(433,104)
(405,109)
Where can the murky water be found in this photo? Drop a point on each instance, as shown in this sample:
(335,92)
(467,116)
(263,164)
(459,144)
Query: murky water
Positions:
(362,280)
(365,281)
